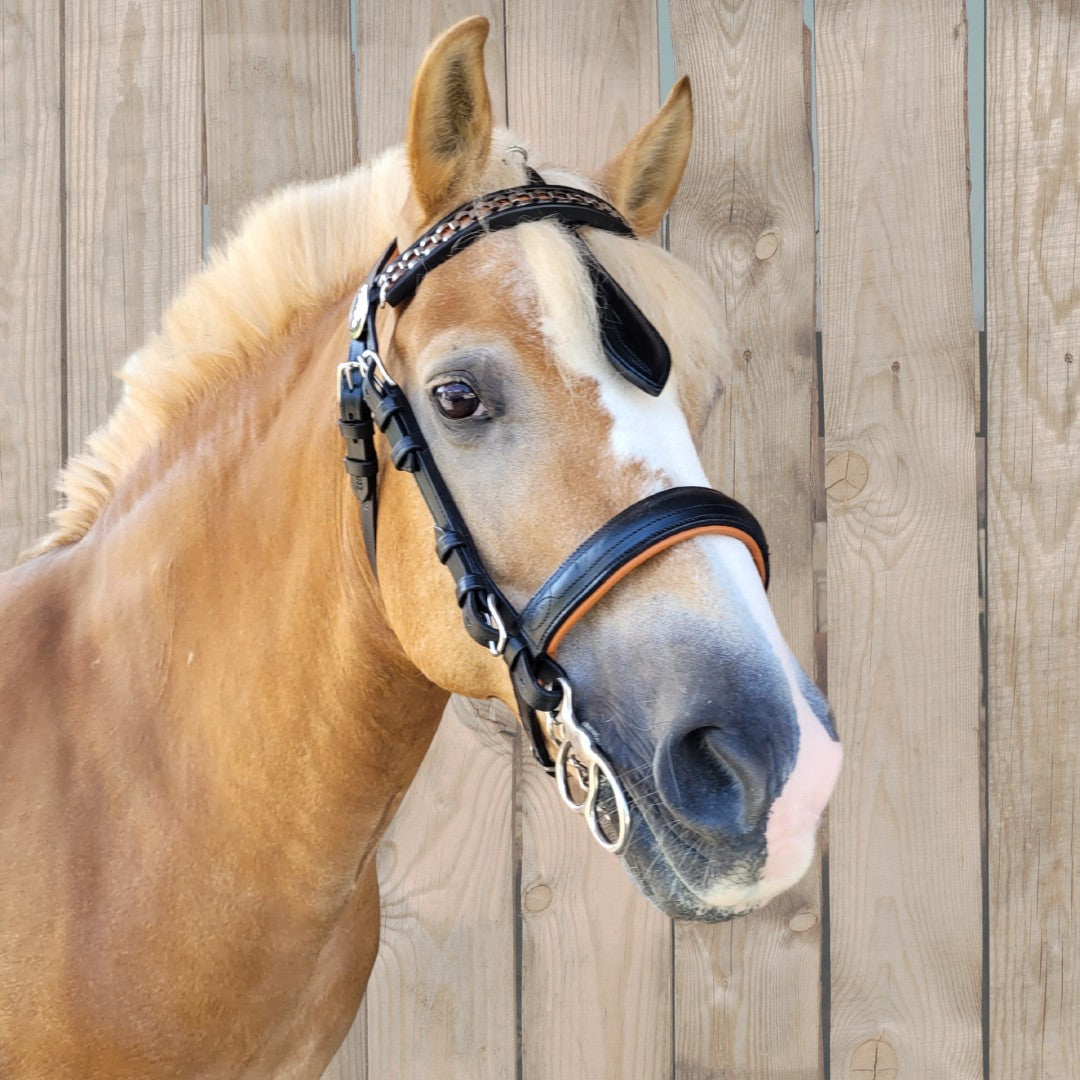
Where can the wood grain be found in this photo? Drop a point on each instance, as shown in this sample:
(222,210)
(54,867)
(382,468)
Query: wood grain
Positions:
(441,1001)
(279,99)
(900,367)
(582,78)
(134,186)
(31,309)
(389,52)
(596,957)
(1033,522)
(747,993)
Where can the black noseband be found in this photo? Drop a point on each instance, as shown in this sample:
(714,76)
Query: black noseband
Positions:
(370,398)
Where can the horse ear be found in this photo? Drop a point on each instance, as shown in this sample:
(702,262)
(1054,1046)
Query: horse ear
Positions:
(449,132)
(642,180)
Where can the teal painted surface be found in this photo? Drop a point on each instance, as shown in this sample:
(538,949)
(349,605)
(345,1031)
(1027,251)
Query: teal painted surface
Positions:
(667,50)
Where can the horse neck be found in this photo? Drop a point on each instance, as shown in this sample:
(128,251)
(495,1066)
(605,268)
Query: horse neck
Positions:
(231,602)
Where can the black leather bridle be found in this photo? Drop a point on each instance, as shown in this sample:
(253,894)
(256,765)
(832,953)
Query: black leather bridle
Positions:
(526,640)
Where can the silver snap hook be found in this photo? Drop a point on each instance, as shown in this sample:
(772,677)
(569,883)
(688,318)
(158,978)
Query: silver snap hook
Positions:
(577,752)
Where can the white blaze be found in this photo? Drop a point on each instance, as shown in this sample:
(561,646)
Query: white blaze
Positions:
(653,432)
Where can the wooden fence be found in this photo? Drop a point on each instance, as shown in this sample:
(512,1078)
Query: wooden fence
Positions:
(939,938)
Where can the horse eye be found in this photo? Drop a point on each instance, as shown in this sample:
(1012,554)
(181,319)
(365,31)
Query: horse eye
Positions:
(458,401)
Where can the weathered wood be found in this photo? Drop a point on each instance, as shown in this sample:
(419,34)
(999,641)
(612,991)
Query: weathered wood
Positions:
(1033,522)
(390,47)
(746,993)
(279,100)
(134,186)
(596,958)
(582,78)
(441,1000)
(900,371)
(31,309)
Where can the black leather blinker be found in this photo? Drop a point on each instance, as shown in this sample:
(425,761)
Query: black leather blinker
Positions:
(631,342)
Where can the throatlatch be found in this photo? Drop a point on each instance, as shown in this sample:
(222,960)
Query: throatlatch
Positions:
(528,641)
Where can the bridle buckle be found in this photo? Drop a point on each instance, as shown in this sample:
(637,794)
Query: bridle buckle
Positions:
(376,372)
(495,621)
(347,370)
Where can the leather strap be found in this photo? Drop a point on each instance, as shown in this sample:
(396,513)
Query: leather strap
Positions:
(624,543)
(499,210)
(633,346)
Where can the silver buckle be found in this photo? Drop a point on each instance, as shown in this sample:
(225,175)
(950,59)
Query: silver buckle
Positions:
(494,620)
(369,363)
(345,371)
(578,753)
(375,365)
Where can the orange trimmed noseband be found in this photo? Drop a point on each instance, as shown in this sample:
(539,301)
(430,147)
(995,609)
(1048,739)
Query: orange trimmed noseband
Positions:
(605,586)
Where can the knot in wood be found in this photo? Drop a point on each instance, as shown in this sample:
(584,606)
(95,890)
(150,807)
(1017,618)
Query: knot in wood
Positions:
(875,1060)
(767,245)
(538,898)
(846,474)
(802,921)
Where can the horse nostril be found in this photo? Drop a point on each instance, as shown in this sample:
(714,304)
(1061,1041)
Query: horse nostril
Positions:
(707,782)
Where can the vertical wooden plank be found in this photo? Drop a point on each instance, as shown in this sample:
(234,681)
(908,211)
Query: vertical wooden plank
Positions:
(134,175)
(389,52)
(596,957)
(31,332)
(900,374)
(747,992)
(441,1000)
(279,99)
(1033,521)
(582,78)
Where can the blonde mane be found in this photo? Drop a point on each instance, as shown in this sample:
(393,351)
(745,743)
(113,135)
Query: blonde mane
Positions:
(303,248)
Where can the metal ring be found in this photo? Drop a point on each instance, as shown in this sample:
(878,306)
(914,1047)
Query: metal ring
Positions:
(577,749)
(562,779)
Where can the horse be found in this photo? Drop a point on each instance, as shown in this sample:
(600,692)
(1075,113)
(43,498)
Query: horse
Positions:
(216,686)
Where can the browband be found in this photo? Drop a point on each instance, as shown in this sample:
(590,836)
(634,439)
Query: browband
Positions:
(630,340)
(369,398)
(490,213)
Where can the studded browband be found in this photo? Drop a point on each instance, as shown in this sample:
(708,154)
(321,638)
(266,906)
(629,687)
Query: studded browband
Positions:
(370,398)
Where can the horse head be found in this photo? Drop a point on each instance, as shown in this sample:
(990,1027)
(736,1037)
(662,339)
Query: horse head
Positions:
(716,753)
